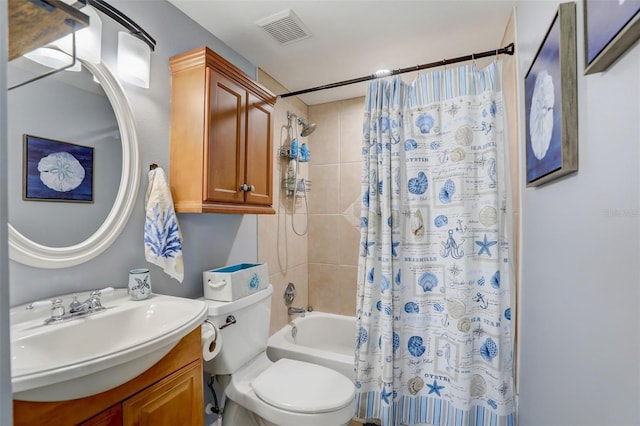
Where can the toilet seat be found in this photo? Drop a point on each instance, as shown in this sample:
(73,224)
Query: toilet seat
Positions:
(240,390)
(302,387)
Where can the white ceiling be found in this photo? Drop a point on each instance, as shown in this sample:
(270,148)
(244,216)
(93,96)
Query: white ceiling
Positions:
(352,38)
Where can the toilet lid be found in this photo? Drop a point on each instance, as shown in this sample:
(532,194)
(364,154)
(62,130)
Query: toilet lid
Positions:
(303,387)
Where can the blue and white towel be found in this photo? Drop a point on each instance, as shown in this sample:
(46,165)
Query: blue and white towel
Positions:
(162,237)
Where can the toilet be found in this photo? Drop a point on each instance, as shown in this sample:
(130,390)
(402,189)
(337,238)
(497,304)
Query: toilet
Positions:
(260,392)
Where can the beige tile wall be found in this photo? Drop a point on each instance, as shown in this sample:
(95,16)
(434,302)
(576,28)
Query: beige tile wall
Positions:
(279,247)
(323,263)
(334,205)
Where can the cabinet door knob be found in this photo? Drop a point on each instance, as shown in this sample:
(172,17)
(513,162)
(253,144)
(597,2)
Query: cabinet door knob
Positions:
(244,187)
(252,188)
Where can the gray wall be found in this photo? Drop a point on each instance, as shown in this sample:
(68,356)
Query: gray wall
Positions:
(580,345)
(5,366)
(210,240)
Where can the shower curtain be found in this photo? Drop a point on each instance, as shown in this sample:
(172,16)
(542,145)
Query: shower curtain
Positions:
(434,311)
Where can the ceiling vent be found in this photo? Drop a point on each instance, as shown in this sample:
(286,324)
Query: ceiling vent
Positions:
(285,27)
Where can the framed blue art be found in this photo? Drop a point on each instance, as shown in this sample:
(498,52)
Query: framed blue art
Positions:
(610,28)
(57,171)
(551,108)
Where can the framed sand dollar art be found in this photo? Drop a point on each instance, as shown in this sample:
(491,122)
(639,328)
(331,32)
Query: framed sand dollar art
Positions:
(610,29)
(551,102)
(57,171)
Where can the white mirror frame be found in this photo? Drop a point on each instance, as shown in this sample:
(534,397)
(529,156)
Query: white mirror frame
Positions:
(29,252)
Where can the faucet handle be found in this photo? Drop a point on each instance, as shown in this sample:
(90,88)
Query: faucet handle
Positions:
(74,303)
(102,292)
(42,304)
(57,309)
(38,304)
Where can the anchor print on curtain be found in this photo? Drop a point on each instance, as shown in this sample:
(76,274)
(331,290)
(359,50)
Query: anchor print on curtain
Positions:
(434,323)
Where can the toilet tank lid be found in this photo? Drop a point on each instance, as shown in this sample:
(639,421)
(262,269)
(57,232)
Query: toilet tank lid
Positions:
(225,308)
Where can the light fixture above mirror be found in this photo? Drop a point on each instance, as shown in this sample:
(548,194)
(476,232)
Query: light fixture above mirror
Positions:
(134,60)
(52,58)
(88,39)
(134,46)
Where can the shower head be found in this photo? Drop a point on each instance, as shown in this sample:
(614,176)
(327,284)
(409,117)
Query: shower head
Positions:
(307,128)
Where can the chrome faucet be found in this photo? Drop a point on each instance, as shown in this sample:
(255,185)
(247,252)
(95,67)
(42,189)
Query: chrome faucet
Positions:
(92,304)
(296,311)
(76,309)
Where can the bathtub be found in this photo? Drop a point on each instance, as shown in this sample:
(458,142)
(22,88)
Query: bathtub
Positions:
(320,338)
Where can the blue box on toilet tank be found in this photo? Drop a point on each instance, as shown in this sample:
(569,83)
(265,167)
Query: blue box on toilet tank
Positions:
(233,282)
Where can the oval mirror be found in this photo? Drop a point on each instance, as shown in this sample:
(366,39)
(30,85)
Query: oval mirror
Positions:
(26,248)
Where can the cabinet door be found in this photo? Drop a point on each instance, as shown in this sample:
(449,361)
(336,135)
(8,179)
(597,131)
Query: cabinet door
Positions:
(177,400)
(110,417)
(225,150)
(259,151)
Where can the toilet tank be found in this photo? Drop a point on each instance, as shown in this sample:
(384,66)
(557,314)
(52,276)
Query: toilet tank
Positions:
(245,339)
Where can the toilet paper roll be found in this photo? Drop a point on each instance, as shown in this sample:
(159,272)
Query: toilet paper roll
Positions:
(211,341)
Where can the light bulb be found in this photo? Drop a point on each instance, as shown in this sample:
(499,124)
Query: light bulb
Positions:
(52,58)
(134,60)
(88,39)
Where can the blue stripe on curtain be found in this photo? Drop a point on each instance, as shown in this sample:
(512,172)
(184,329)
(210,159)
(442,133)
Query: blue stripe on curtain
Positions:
(436,411)
(439,85)
(448,84)
(462,79)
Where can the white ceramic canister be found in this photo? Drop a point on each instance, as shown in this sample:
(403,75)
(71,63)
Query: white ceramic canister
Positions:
(139,284)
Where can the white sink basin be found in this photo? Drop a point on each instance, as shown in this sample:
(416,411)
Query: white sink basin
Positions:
(85,356)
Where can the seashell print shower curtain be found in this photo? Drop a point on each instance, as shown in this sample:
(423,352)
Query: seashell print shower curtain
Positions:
(434,341)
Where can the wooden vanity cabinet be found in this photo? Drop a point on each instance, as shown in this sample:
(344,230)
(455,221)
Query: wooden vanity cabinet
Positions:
(221,144)
(170,402)
(170,393)
(110,417)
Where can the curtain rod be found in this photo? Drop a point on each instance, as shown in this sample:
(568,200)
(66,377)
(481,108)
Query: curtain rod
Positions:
(507,50)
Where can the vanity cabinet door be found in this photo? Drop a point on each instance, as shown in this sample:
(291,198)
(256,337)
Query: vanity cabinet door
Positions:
(176,400)
(110,417)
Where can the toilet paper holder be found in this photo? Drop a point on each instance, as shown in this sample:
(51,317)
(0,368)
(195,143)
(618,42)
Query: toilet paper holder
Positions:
(211,340)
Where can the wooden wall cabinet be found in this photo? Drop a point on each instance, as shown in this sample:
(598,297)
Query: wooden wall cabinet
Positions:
(221,145)
(170,393)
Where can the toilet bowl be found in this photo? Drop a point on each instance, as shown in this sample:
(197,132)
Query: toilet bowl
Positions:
(260,392)
(291,393)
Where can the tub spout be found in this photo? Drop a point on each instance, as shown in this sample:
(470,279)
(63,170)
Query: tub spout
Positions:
(296,311)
